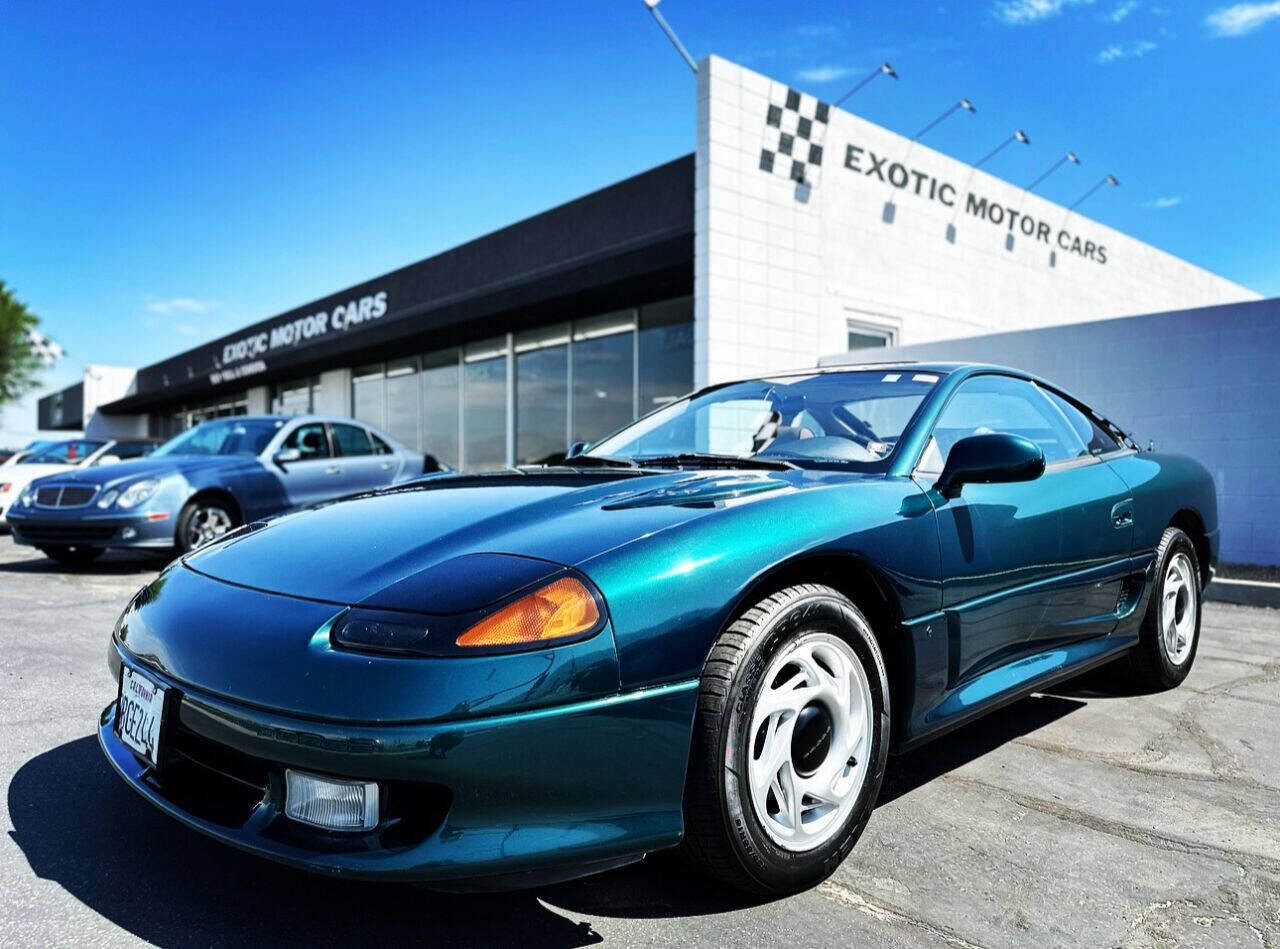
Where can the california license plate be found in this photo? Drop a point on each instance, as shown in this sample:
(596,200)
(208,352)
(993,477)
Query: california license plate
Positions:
(140,714)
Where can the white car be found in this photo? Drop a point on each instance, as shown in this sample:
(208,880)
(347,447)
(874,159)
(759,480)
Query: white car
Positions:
(66,456)
(23,453)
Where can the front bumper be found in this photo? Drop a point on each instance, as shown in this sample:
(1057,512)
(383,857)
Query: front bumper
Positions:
(79,528)
(553,791)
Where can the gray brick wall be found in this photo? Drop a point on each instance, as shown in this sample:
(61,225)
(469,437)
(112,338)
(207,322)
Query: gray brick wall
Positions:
(1202,382)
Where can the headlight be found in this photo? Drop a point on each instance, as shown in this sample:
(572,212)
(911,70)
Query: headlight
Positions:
(108,499)
(559,610)
(567,609)
(28,498)
(137,492)
(4,488)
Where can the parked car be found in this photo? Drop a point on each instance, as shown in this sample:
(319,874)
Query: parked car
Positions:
(706,631)
(12,458)
(61,457)
(205,482)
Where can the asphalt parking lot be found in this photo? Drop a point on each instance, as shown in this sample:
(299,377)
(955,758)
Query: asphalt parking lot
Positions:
(1087,817)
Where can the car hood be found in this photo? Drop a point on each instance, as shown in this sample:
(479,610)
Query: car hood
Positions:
(452,544)
(185,465)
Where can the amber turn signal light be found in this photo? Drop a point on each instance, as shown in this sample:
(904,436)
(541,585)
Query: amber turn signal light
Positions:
(560,609)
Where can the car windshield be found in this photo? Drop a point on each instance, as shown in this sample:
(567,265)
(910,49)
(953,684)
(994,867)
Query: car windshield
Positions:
(226,436)
(64,453)
(855,416)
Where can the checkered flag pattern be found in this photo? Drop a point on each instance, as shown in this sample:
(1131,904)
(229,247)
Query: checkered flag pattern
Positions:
(795,131)
(43,348)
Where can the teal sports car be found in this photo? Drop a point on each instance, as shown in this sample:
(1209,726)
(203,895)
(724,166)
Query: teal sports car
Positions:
(706,631)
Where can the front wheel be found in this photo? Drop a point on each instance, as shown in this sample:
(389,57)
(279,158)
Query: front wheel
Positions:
(204,520)
(73,556)
(790,742)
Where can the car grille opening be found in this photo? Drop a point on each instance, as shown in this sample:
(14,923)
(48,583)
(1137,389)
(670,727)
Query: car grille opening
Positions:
(64,496)
(219,784)
(62,533)
(210,781)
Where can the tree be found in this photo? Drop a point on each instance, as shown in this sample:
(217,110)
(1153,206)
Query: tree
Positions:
(18,361)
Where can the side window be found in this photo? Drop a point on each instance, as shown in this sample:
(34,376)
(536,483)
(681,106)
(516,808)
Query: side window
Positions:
(1097,440)
(379,446)
(352,440)
(310,440)
(125,450)
(986,404)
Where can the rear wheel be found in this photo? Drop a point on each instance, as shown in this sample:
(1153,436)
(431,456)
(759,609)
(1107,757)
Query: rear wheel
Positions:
(790,742)
(73,556)
(204,520)
(1170,631)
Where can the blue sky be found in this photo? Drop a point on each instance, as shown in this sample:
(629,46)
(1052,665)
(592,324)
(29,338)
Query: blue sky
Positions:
(174,171)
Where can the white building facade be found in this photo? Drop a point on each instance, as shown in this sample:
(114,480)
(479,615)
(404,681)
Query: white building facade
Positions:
(816,230)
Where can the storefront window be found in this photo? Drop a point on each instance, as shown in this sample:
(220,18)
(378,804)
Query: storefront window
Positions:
(603,375)
(484,406)
(440,407)
(295,398)
(542,395)
(401,419)
(368,390)
(665,343)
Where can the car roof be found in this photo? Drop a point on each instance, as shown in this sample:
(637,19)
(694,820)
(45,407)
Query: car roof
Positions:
(905,365)
(306,417)
(309,417)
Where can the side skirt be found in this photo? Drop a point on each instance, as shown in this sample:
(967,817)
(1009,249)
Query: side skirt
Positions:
(969,711)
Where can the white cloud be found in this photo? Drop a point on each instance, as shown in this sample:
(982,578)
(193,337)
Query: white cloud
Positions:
(1242,18)
(1122,11)
(825,73)
(1160,204)
(1022,12)
(1126,51)
(181,305)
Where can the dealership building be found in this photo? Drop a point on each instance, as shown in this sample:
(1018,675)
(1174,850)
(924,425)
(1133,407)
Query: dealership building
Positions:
(794,231)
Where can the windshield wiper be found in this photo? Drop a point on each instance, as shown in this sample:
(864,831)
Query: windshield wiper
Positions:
(693,459)
(599,461)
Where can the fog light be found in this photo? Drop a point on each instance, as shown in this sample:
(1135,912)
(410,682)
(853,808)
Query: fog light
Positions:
(128,533)
(329,803)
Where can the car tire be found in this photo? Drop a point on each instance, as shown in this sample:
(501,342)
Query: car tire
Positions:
(73,556)
(736,830)
(204,520)
(1170,631)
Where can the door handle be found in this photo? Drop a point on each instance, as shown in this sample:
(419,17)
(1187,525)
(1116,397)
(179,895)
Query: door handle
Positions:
(1122,514)
(386,466)
(333,470)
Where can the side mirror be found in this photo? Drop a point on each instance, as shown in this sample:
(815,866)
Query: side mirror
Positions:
(109,460)
(989,459)
(286,455)
(576,449)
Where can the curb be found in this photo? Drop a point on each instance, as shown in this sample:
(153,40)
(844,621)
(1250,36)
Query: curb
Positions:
(1244,592)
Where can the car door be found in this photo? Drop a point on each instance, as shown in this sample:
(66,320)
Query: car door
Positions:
(313,474)
(364,469)
(1028,563)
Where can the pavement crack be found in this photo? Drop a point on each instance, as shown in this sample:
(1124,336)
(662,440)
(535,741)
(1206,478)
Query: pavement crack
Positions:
(1124,831)
(842,894)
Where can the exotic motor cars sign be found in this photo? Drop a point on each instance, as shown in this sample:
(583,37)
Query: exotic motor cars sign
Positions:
(343,317)
(866,162)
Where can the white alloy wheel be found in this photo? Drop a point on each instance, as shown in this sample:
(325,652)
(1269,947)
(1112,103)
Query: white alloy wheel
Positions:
(1178,609)
(811,733)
